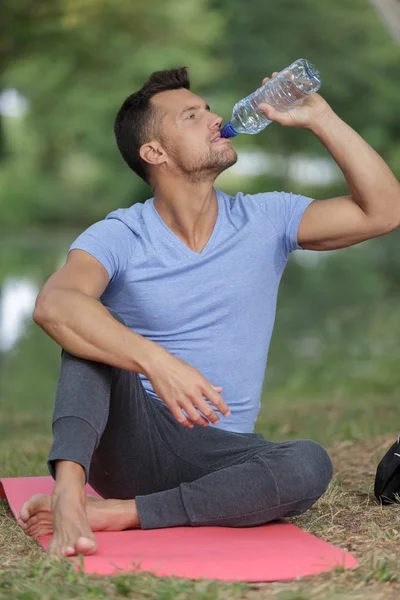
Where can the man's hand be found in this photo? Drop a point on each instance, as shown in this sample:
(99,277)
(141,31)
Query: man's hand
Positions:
(181,386)
(373,206)
(312,108)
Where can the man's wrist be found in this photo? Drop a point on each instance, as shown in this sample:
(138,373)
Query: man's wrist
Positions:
(152,354)
(323,120)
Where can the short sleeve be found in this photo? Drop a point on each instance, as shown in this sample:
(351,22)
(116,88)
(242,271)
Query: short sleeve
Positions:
(110,242)
(285,211)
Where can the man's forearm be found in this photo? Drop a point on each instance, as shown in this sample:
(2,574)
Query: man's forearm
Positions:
(84,327)
(372,184)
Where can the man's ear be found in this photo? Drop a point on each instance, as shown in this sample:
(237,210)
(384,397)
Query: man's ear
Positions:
(153,153)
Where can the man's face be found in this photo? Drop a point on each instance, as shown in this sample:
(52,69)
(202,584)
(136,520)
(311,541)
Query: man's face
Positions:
(188,133)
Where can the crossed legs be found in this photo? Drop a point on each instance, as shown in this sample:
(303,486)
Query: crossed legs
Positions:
(152,472)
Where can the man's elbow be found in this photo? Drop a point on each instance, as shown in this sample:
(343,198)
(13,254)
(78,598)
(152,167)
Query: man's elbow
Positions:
(391,224)
(38,315)
(43,310)
(393,213)
(384,222)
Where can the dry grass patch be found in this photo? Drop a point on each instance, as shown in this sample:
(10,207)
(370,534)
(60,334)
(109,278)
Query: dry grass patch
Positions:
(349,516)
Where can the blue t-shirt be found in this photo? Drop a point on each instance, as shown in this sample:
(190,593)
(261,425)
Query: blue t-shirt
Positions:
(214,309)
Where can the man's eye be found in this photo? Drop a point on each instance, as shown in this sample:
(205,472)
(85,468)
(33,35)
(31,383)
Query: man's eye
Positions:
(192,115)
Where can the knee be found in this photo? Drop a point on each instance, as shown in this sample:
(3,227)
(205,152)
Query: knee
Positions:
(308,472)
(316,466)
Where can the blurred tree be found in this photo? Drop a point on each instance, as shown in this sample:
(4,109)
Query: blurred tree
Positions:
(76,61)
(358,61)
(389,12)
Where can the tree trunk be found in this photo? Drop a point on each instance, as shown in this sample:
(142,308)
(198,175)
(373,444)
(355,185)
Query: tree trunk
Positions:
(2,140)
(389,13)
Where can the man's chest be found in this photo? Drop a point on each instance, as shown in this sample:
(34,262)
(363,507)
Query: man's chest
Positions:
(172,299)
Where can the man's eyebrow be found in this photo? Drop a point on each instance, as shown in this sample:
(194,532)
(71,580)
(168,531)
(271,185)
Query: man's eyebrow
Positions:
(197,107)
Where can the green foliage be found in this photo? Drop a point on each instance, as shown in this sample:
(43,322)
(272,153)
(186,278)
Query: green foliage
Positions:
(337,324)
(357,58)
(77,60)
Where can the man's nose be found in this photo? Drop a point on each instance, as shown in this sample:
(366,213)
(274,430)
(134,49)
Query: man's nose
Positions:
(216,122)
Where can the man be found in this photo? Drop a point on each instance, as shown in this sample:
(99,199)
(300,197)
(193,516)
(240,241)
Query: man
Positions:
(165,311)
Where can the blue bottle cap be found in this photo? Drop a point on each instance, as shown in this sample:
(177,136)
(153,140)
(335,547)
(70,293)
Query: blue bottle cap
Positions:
(228,131)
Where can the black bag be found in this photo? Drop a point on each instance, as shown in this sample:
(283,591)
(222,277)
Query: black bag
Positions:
(387,479)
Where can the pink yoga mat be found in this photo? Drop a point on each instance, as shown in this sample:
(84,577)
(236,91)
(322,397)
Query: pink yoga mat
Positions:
(272,552)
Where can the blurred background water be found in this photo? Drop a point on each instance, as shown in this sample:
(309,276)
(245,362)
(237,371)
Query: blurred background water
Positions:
(67,66)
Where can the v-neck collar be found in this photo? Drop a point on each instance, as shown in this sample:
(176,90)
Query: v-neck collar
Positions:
(176,240)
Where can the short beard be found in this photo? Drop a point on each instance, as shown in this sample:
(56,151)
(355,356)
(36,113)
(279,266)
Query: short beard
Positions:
(208,167)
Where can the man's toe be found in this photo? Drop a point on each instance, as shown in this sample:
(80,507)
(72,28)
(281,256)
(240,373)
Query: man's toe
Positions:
(85,545)
(38,502)
(68,551)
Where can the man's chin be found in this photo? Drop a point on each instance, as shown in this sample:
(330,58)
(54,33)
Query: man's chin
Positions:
(229,162)
(215,164)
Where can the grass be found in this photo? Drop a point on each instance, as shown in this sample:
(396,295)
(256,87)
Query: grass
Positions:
(347,515)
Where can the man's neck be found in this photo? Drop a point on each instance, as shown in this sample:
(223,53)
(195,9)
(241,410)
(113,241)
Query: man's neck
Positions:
(190,211)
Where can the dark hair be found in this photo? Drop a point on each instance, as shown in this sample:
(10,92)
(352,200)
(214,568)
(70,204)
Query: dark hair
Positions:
(138,120)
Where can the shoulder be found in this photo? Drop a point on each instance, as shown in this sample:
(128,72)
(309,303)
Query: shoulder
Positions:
(272,204)
(126,219)
(250,201)
(252,204)
(117,231)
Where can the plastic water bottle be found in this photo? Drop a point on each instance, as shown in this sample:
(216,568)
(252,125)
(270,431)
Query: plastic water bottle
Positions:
(288,88)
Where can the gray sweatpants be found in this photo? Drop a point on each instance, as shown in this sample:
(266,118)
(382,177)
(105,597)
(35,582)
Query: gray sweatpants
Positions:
(131,446)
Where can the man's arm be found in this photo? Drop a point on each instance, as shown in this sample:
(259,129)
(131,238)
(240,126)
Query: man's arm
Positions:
(373,206)
(68,310)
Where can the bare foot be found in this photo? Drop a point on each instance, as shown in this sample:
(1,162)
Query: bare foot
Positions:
(73,520)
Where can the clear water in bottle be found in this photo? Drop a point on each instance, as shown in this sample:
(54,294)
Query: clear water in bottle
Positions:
(284,91)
